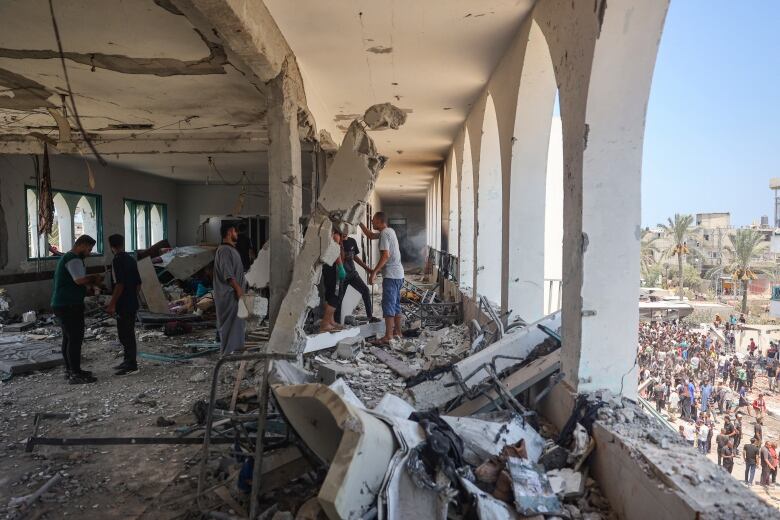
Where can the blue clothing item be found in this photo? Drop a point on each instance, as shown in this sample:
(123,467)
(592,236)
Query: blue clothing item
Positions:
(691,391)
(706,390)
(391,296)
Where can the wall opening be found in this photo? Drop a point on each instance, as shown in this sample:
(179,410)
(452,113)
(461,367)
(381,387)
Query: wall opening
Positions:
(489,208)
(535,189)
(466,234)
(454,218)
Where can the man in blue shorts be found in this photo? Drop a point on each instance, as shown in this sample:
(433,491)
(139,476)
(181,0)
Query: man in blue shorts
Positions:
(389,265)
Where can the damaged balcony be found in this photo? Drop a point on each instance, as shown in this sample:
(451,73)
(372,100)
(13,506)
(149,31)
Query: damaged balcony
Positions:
(493,139)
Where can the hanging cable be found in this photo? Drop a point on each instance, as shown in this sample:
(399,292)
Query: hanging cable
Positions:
(70,90)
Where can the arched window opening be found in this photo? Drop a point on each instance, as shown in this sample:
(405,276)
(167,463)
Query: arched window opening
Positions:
(489,209)
(466,234)
(454,228)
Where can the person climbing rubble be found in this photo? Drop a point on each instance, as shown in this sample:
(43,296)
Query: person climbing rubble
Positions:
(351,256)
(332,276)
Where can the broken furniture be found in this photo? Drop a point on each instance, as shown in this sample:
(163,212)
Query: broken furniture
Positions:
(34,440)
(425,305)
(493,360)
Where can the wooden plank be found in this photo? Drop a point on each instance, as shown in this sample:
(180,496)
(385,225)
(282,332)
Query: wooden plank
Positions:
(151,288)
(519,381)
(237,386)
(395,364)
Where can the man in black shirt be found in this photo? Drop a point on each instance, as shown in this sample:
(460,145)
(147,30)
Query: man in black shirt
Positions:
(728,456)
(351,256)
(124,302)
(751,459)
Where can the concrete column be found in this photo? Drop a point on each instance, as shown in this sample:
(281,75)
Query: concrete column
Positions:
(284,182)
(604,62)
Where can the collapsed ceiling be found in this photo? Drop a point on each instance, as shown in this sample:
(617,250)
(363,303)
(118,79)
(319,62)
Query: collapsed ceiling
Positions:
(143,78)
(146,81)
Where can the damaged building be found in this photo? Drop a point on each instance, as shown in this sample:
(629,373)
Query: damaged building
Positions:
(512,391)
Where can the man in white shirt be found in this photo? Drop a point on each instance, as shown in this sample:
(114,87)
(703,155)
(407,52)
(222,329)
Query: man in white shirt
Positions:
(392,270)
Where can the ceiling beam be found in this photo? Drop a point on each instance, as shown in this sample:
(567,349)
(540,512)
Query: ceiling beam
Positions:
(19,144)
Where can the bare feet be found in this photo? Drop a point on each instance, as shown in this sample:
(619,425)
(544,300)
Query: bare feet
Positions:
(330,327)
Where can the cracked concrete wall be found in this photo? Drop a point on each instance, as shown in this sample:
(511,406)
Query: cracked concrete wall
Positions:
(112,183)
(286,184)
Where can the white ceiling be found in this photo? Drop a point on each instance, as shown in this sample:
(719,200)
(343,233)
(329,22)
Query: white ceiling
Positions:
(430,57)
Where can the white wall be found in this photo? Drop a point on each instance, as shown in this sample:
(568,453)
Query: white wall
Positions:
(194,200)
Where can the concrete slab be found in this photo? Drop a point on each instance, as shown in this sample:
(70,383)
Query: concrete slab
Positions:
(357,445)
(151,289)
(28,356)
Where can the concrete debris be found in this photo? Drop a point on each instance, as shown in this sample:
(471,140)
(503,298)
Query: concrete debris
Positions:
(183,262)
(357,446)
(567,483)
(259,274)
(351,178)
(517,343)
(151,289)
(350,347)
(384,116)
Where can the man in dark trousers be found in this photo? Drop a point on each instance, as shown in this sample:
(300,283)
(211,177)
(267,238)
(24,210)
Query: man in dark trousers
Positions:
(124,302)
(351,253)
(67,302)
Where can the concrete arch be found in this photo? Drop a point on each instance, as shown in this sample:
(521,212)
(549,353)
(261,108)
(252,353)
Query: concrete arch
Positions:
(604,60)
(489,248)
(466,225)
(528,181)
(84,220)
(64,221)
(454,208)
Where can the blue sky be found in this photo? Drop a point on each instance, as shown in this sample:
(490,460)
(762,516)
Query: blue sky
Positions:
(712,139)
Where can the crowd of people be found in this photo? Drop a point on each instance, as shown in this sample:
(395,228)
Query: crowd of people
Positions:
(699,381)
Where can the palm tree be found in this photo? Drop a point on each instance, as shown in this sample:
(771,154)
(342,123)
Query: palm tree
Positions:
(647,254)
(746,246)
(678,231)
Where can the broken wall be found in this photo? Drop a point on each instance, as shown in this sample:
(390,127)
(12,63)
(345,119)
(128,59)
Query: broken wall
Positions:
(112,183)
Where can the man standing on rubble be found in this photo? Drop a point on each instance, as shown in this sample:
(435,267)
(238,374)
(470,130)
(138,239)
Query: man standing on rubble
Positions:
(67,301)
(392,270)
(228,290)
(351,254)
(124,302)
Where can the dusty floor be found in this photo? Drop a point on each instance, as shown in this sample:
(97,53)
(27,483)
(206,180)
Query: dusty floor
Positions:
(125,482)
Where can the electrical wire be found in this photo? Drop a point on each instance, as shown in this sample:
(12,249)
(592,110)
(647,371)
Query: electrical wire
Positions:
(70,90)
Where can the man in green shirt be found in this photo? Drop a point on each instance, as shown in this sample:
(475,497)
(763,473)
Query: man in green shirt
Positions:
(67,302)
